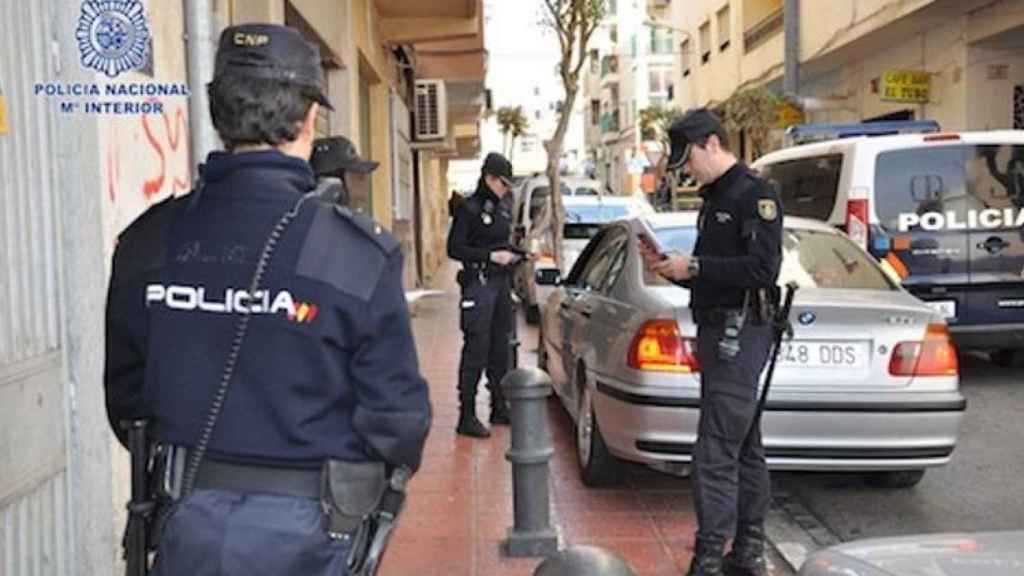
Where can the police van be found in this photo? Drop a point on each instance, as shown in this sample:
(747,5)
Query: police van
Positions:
(942,211)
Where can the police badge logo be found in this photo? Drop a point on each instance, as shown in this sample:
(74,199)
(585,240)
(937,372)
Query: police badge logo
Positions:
(113,36)
(767,209)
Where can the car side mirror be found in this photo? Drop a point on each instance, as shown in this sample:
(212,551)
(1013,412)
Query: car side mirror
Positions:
(547,277)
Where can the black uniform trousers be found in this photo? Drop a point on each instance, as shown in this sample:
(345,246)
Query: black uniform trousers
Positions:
(731,484)
(227,533)
(486,321)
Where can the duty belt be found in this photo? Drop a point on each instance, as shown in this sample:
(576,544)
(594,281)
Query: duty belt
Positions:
(299,482)
(717,316)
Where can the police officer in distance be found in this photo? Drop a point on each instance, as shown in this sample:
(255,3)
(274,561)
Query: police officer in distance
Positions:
(327,369)
(480,239)
(336,162)
(732,280)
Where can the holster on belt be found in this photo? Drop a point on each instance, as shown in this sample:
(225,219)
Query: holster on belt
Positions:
(360,502)
(351,493)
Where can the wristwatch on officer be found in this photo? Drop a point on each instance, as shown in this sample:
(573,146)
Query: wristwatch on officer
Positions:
(693,268)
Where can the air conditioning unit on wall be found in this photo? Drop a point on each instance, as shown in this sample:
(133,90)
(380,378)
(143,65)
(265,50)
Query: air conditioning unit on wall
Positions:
(431,112)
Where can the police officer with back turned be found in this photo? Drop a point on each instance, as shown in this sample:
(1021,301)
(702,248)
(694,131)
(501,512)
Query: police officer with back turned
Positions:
(732,278)
(479,239)
(265,336)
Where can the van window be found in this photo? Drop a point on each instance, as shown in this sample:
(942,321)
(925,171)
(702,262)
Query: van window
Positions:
(807,186)
(947,187)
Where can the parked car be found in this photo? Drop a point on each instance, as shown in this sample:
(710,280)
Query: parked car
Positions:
(869,382)
(982,554)
(942,211)
(532,195)
(584,216)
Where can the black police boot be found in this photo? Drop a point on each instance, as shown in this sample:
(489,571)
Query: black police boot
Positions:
(707,559)
(468,424)
(747,555)
(499,408)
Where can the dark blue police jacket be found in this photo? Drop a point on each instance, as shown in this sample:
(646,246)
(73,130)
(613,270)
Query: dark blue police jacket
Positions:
(328,367)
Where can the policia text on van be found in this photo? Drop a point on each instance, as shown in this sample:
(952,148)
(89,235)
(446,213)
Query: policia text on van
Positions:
(990,218)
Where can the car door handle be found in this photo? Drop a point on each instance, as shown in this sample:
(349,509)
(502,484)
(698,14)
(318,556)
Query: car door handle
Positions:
(586,312)
(993,245)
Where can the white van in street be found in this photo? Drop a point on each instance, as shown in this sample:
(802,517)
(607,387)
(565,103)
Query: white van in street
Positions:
(943,211)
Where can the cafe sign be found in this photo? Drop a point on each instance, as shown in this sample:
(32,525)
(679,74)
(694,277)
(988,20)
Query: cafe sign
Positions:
(912,86)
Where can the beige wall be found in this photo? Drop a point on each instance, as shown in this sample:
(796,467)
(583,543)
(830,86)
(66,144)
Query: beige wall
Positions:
(971,49)
(145,158)
(846,21)
(434,204)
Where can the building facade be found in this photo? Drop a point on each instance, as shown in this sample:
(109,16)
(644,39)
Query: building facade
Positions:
(84,151)
(630,69)
(958,62)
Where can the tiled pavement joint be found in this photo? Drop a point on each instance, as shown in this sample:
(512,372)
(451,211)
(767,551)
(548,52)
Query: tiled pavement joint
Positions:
(794,532)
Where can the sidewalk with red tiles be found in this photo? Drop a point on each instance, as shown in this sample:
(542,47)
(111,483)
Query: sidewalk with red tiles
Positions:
(460,503)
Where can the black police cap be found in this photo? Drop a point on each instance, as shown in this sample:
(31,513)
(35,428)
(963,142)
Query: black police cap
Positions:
(497,165)
(336,154)
(271,52)
(693,127)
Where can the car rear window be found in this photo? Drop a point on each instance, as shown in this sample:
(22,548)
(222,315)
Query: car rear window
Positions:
(949,187)
(817,259)
(807,186)
(680,239)
(811,258)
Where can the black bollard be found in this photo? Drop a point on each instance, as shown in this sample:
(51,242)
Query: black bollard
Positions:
(584,561)
(527,390)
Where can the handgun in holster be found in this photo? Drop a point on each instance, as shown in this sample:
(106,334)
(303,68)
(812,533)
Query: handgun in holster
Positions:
(361,503)
(155,472)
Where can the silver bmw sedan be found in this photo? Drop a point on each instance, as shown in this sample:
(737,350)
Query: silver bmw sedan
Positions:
(868,383)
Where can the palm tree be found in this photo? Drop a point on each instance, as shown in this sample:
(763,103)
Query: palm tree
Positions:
(512,121)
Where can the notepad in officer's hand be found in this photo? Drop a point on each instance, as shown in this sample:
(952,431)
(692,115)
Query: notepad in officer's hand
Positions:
(647,236)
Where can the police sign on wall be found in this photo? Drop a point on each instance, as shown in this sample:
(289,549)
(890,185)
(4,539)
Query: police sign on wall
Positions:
(907,86)
(113,36)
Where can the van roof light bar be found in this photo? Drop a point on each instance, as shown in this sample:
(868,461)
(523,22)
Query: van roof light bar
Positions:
(803,133)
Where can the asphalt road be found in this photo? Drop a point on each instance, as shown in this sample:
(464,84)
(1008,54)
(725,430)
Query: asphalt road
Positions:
(981,489)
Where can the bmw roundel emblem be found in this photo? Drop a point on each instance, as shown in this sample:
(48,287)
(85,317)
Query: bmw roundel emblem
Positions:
(806,318)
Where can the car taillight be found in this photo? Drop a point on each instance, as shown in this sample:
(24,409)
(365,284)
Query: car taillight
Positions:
(658,347)
(857,221)
(933,356)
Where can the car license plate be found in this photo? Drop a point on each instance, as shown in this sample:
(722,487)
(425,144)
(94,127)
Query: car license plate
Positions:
(945,307)
(823,354)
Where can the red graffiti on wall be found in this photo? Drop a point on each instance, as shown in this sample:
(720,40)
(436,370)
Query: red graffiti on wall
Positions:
(168,140)
(172,139)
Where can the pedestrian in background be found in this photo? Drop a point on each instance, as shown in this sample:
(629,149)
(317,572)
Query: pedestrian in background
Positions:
(733,295)
(480,238)
(336,157)
(453,203)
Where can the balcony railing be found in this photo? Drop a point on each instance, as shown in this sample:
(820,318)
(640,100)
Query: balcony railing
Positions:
(610,122)
(609,65)
(759,33)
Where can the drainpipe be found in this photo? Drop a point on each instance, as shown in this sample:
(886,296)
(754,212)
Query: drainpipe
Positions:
(791,19)
(199,49)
